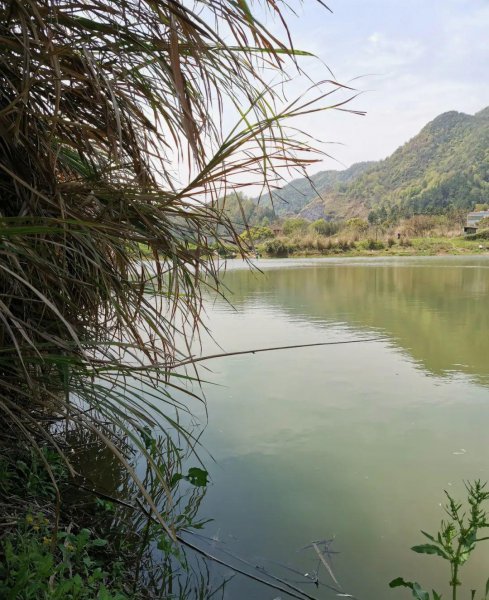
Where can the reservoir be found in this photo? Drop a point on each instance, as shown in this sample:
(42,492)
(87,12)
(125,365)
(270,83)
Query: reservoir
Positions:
(353,443)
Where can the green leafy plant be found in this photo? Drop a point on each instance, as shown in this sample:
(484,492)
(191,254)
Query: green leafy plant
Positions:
(372,244)
(104,547)
(295,225)
(455,541)
(277,247)
(31,569)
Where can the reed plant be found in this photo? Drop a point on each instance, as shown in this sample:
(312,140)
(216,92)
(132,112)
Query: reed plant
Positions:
(113,151)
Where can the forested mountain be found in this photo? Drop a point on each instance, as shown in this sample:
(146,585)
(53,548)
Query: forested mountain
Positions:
(444,167)
(244,211)
(294,196)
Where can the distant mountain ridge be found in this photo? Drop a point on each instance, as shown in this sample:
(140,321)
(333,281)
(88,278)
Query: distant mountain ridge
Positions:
(445,166)
(294,196)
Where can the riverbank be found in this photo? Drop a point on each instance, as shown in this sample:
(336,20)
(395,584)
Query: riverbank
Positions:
(74,530)
(422,246)
(57,543)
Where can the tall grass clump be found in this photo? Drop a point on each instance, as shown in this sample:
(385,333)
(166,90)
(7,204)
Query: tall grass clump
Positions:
(113,150)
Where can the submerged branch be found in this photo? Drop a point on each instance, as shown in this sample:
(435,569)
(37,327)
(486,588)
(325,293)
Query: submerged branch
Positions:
(280,585)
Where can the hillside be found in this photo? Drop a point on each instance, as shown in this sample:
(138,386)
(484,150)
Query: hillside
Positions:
(294,196)
(445,166)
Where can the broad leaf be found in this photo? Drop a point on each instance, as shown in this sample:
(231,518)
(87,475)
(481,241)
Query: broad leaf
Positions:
(430,549)
(414,586)
(197,477)
(400,582)
(419,593)
(175,479)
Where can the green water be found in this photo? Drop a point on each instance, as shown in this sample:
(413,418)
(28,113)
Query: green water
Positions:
(355,442)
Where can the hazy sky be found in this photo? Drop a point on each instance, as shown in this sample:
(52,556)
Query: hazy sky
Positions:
(419,58)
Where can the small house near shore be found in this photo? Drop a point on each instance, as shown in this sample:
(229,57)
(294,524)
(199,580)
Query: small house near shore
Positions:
(473,219)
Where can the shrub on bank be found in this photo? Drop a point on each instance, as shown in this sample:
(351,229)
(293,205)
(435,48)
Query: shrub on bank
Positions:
(344,245)
(295,225)
(324,244)
(324,228)
(257,234)
(282,247)
(482,234)
(277,247)
(371,244)
(357,226)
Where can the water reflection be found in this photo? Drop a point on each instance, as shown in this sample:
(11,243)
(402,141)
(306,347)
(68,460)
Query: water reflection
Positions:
(120,513)
(353,442)
(434,309)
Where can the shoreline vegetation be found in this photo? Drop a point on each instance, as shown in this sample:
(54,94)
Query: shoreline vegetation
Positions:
(88,536)
(425,246)
(103,106)
(422,235)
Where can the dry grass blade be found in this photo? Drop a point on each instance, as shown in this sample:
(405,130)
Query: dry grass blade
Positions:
(98,102)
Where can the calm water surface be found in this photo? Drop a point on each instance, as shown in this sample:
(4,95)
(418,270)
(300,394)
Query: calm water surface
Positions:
(354,442)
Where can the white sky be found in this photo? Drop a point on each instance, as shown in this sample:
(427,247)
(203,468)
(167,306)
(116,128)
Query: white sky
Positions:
(418,58)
